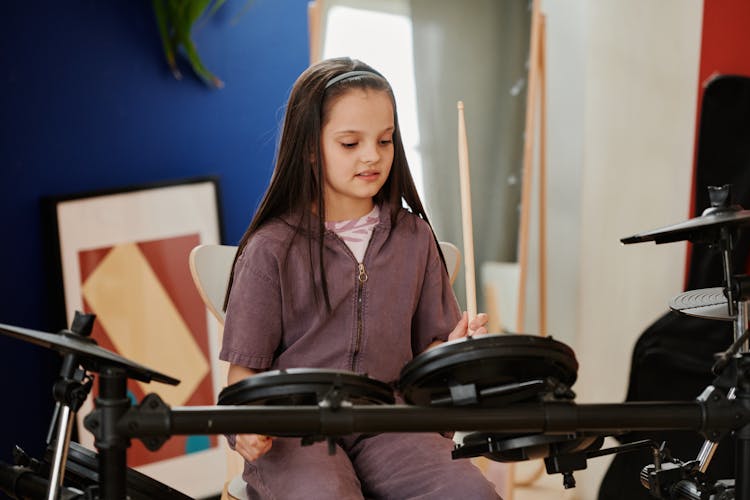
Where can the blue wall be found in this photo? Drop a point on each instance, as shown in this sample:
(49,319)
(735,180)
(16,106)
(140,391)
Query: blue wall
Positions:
(87,103)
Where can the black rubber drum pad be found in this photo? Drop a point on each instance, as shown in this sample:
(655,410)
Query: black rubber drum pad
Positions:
(305,386)
(488,371)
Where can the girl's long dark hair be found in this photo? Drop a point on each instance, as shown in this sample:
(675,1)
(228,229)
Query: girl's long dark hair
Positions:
(297,181)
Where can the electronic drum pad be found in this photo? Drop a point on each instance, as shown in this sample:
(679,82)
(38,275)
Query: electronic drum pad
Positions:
(488,371)
(517,448)
(492,371)
(305,386)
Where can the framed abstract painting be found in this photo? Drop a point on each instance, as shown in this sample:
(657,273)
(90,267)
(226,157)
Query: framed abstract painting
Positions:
(124,257)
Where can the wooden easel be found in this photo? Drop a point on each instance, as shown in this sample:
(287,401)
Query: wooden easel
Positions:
(535,110)
(535,102)
(314,21)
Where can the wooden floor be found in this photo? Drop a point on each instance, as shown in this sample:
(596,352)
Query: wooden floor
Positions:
(531,482)
(545,488)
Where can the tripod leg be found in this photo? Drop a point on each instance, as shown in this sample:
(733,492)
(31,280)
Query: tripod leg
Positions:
(705,454)
(708,449)
(57,474)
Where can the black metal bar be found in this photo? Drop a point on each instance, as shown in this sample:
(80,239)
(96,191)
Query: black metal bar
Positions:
(112,444)
(22,482)
(624,448)
(549,418)
(742,461)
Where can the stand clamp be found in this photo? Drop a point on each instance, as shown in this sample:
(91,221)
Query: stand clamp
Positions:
(331,417)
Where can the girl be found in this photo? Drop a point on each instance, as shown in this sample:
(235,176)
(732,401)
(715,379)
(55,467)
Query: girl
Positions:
(334,273)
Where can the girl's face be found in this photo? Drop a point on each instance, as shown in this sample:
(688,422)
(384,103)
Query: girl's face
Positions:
(357,148)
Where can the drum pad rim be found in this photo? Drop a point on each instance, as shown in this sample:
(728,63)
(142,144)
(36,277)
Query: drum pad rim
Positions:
(299,381)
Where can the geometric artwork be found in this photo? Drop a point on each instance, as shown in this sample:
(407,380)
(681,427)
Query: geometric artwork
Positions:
(124,258)
(143,306)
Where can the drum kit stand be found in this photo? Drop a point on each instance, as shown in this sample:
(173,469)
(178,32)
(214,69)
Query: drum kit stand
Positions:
(511,393)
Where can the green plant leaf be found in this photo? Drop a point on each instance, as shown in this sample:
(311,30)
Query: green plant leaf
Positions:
(195,61)
(162,21)
(195,9)
(175,20)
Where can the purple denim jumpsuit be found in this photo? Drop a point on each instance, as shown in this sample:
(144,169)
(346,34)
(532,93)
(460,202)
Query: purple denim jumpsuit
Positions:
(384,311)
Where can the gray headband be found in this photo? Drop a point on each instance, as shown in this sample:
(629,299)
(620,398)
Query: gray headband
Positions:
(349,74)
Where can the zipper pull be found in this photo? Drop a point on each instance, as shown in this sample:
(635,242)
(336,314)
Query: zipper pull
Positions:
(362,274)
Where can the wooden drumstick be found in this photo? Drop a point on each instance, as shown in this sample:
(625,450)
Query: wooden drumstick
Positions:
(468,235)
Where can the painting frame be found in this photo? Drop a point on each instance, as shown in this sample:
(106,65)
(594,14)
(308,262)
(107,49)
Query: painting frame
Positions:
(123,255)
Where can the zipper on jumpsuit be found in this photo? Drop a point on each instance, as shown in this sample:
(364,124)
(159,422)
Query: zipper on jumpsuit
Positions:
(361,280)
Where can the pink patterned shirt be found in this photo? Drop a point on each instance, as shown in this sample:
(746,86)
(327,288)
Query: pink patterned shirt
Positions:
(356,233)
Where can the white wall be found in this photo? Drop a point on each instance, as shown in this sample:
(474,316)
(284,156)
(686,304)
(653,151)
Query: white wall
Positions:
(622,82)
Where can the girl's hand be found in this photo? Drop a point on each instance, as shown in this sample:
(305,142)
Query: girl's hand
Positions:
(477,326)
(253,446)
(250,446)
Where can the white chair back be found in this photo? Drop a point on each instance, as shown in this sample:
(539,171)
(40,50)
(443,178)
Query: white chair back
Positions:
(210,267)
(452,256)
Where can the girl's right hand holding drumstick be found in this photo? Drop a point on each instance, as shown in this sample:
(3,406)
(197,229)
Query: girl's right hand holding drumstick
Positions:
(464,328)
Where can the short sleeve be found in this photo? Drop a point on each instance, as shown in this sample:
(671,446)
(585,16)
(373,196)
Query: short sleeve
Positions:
(437,312)
(253,327)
